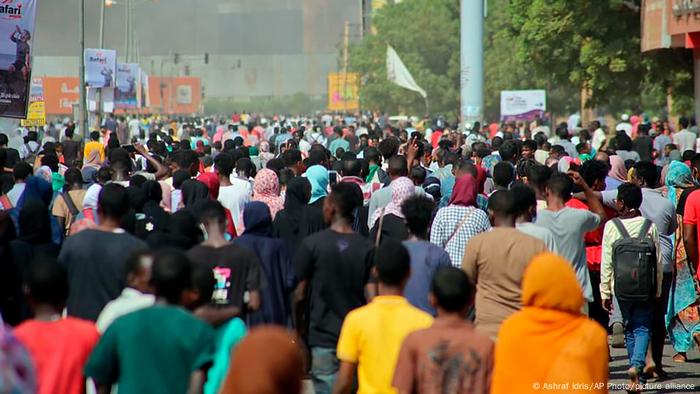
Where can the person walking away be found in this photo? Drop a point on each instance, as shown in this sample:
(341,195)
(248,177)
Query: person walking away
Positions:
(594,173)
(643,144)
(317,176)
(58,346)
(569,225)
(278,274)
(456,224)
(288,222)
(137,294)
(93,283)
(164,342)
(661,212)
(236,268)
(388,222)
(526,211)
(684,139)
(495,262)
(371,336)
(426,257)
(232,197)
(683,315)
(70,204)
(333,269)
(268,360)
(634,281)
(449,355)
(576,349)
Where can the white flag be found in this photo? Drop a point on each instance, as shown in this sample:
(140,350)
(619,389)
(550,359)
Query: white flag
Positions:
(398,73)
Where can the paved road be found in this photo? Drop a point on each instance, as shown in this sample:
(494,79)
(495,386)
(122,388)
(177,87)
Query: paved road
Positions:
(683,377)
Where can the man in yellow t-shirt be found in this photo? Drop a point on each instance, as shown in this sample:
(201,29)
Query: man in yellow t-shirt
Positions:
(371,337)
(94,144)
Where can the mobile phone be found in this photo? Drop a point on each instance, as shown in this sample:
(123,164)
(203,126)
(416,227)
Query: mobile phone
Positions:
(332,177)
(129,148)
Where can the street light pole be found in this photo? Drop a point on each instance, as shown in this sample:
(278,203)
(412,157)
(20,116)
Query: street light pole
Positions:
(127,24)
(83,117)
(102,24)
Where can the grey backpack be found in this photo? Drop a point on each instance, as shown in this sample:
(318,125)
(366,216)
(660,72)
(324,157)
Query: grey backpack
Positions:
(634,264)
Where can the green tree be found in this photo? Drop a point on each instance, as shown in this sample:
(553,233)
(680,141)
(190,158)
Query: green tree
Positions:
(505,70)
(425,34)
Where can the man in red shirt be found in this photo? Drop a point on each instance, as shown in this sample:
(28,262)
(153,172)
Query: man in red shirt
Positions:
(691,235)
(59,347)
(594,173)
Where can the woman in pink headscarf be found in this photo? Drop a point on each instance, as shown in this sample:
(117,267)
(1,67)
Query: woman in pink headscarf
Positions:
(635,121)
(617,174)
(267,190)
(220,130)
(388,221)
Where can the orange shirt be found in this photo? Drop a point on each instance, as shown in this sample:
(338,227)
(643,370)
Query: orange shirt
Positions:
(59,350)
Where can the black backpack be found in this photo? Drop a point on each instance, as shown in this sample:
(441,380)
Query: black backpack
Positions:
(634,264)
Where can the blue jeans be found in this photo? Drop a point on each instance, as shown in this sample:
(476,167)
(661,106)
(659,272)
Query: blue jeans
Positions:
(637,318)
(324,368)
(615,316)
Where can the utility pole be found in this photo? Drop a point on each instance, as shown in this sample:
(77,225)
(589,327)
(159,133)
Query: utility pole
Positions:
(346,43)
(83,117)
(472,60)
(127,27)
(102,24)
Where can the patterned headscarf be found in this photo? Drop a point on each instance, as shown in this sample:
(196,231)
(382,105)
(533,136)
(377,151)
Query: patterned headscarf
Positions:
(401,189)
(267,190)
(677,176)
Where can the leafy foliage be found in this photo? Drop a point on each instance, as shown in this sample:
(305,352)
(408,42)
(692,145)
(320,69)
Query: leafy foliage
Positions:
(562,46)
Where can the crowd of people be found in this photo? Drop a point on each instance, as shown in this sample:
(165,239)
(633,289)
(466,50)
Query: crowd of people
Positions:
(246,254)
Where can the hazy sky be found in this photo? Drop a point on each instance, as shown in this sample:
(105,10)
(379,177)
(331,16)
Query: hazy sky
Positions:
(198,26)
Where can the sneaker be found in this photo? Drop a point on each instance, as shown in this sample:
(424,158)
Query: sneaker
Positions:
(618,336)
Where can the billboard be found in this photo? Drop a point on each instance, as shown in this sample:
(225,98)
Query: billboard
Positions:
(60,94)
(128,77)
(523,104)
(17,29)
(100,68)
(36,115)
(343,91)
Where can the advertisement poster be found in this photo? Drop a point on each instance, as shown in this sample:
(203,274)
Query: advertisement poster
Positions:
(36,115)
(184,94)
(16,41)
(343,91)
(100,68)
(125,95)
(524,105)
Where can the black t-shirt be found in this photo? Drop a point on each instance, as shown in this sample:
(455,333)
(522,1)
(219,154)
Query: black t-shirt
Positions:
(236,269)
(643,145)
(336,267)
(11,157)
(393,227)
(70,152)
(95,261)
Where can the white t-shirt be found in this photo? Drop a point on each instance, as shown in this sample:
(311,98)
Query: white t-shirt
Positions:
(234,198)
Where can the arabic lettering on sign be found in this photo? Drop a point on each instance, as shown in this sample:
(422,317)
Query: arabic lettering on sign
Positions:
(685,7)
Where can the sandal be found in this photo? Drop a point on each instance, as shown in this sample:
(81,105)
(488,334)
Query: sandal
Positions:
(680,357)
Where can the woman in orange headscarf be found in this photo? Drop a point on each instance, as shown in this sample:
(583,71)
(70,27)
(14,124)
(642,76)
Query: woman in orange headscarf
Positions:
(549,344)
